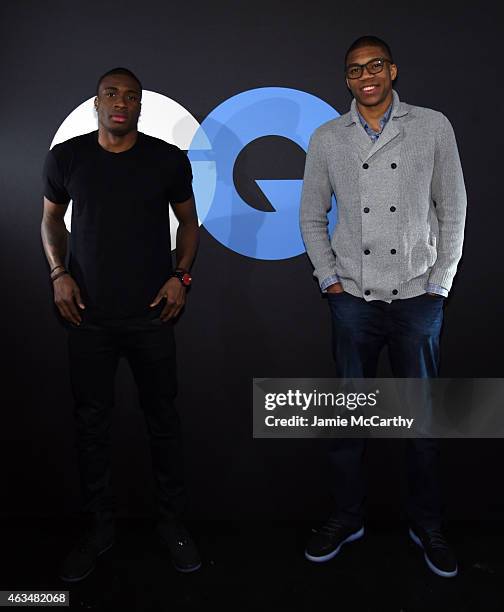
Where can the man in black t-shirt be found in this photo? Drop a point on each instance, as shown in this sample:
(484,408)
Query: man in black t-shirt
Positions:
(119,297)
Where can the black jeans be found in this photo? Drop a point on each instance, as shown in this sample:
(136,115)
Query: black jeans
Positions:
(94,353)
(410,329)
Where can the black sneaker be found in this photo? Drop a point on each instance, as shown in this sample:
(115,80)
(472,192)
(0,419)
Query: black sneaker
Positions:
(326,542)
(438,555)
(182,548)
(81,561)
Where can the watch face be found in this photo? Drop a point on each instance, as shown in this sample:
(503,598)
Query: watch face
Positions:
(186,279)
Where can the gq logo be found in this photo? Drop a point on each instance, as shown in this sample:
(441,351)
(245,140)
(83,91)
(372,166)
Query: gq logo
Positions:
(213,148)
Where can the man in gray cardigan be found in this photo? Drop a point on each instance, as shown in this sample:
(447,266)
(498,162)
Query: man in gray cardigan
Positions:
(396,175)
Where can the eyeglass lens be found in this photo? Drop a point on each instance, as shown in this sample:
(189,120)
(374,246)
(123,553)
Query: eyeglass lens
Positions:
(373,67)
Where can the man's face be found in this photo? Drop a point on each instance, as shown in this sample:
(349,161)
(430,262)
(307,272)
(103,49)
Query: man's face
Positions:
(371,89)
(118,104)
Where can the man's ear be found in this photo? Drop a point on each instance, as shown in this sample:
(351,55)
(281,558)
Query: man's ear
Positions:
(393,72)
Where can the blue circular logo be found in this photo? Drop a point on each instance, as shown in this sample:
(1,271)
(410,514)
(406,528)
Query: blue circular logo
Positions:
(267,111)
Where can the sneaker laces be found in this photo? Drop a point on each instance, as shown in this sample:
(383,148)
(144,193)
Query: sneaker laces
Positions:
(182,537)
(93,537)
(331,527)
(177,533)
(436,539)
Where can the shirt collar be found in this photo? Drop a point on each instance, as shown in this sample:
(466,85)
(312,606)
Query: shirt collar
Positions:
(399,109)
(383,121)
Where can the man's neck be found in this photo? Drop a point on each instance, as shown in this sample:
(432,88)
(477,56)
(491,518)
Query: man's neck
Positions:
(114,143)
(373,114)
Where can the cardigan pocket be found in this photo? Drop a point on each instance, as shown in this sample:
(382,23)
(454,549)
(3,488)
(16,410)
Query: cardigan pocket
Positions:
(422,257)
(432,250)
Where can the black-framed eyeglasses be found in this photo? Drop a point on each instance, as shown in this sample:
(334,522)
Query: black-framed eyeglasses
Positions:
(374,66)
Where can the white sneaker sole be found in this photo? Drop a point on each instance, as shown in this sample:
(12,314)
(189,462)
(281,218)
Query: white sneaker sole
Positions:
(353,536)
(187,570)
(431,565)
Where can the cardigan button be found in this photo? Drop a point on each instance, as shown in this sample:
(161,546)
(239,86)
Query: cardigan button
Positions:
(367,251)
(393,166)
(365,166)
(367,292)
(366,210)
(393,251)
(392,209)
(395,292)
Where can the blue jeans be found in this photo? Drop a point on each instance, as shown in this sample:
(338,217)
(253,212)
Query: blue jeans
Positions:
(410,329)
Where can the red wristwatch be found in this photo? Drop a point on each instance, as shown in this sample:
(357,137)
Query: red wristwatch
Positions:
(183,276)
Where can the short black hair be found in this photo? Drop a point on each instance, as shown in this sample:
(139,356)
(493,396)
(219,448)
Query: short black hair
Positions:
(369,41)
(118,70)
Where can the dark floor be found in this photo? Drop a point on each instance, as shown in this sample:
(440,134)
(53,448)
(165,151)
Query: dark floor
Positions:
(260,566)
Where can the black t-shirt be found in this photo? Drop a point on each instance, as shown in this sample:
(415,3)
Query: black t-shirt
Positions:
(120,252)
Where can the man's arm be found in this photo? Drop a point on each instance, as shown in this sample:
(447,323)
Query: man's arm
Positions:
(315,204)
(54,238)
(187,233)
(54,233)
(448,192)
(186,247)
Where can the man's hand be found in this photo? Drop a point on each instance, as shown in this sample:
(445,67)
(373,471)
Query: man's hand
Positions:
(336,288)
(175,293)
(67,297)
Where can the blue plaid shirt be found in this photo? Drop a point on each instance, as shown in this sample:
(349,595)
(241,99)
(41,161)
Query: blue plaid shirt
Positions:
(431,287)
(383,121)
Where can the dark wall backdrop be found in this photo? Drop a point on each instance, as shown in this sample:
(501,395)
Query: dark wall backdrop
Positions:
(244,317)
